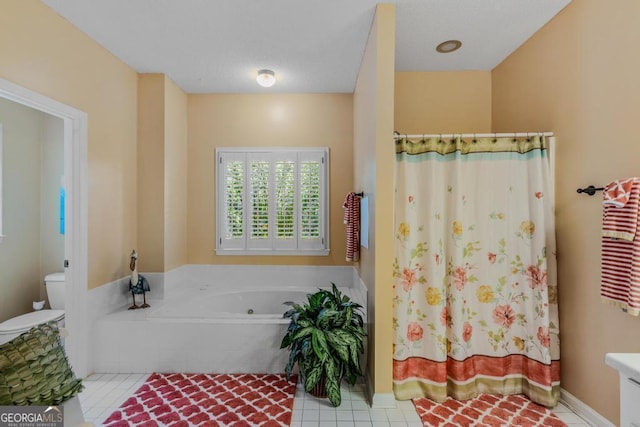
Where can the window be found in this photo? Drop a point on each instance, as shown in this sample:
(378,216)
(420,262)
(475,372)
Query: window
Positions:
(272,201)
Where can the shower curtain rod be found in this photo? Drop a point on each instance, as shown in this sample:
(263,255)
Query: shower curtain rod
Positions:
(474,135)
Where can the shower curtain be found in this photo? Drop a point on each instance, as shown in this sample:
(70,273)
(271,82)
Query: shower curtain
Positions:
(475,272)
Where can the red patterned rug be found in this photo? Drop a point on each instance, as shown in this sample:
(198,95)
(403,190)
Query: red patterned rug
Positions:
(182,400)
(486,410)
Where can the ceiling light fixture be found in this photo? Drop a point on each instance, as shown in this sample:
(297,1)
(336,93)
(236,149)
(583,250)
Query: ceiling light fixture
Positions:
(266,78)
(449,46)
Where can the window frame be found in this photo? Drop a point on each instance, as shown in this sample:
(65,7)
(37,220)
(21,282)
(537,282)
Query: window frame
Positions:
(242,246)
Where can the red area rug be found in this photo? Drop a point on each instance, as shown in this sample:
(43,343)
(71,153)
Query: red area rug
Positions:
(182,400)
(486,410)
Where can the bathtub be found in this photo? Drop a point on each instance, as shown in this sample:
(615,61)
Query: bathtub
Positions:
(201,325)
(250,306)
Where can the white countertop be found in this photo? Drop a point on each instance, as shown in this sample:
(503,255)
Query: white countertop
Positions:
(627,363)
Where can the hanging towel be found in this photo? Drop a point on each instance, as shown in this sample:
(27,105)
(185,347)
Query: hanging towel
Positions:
(620,284)
(351,207)
(621,200)
(618,192)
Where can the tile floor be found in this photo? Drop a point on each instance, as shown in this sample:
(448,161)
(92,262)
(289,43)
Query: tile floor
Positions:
(104,393)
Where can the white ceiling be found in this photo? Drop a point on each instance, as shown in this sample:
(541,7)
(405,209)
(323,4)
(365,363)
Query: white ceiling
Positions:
(217,46)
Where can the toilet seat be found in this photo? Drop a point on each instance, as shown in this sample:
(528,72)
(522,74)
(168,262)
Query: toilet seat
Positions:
(27,321)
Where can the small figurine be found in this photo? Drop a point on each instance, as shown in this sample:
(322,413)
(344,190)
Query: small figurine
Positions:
(138,284)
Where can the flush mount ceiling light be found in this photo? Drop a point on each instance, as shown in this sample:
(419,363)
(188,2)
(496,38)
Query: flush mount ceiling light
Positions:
(449,46)
(266,78)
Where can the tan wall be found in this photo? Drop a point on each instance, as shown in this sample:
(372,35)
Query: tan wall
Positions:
(442,102)
(578,78)
(248,120)
(162,174)
(373,169)
(43,52)
(19,251)
(175,191)
(151,172)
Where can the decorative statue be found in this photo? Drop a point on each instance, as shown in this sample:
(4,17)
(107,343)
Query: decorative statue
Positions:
(138,284)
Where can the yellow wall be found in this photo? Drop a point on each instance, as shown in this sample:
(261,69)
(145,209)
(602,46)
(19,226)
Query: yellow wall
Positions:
(175,191)
(162,174)
(373,172)
(578,77)
(151,173)
(44,53)
(20,279)
(259,120)
(442,102)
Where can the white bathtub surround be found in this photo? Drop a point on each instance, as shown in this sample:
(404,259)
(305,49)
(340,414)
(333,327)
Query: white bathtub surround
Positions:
(241,276)
(203,324)
(359,292)
(628,366)
(112,297)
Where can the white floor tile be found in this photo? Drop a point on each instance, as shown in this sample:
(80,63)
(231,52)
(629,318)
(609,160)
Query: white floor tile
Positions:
(359,406)
(570,418)
(310,415)
(361,416)
(328,416)
(560,408)
(344,415)
(378,415)
(395,415)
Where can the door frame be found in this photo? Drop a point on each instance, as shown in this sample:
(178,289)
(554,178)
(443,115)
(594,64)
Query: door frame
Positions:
(76,217)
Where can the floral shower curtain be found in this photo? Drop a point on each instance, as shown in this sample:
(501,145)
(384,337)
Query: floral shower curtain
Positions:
(475,271)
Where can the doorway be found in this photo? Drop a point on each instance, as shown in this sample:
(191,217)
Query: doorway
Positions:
(76,216)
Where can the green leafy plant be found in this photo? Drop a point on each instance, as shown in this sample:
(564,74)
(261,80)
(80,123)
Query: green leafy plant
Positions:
(325,338)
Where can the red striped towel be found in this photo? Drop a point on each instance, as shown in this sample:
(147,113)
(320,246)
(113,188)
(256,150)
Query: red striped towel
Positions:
(351,207)
(620,283)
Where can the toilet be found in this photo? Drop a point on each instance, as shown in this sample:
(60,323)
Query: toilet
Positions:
(55,286)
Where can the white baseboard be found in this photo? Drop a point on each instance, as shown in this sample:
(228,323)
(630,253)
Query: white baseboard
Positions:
(379,400)
(583,410)
(383,401)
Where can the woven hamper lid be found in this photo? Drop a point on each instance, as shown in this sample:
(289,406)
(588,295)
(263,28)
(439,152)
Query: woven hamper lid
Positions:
(29,320)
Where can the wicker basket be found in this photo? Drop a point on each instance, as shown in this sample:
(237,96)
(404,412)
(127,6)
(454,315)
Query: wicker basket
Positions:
(34,369)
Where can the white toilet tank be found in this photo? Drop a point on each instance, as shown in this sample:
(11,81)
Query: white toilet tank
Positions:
(55,285)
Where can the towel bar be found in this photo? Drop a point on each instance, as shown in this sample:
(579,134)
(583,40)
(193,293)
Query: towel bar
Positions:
(590,190)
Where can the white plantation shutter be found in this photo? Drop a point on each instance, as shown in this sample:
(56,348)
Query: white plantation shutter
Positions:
(272,201)
(311,201)
(285,201)
(231,183)
(258,188)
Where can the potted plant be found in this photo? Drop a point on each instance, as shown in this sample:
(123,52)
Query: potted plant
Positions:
(325,338)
